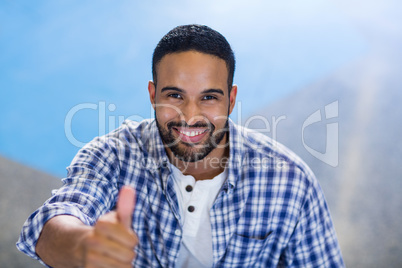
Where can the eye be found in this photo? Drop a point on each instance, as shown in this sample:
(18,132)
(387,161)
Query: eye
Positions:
(209,97)
(175,95)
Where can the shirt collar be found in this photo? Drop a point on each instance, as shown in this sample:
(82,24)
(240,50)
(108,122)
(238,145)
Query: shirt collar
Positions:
(237,155)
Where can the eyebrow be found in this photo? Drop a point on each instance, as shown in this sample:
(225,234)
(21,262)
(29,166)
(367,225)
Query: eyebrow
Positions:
(213,90)
(207,91)
(172,88)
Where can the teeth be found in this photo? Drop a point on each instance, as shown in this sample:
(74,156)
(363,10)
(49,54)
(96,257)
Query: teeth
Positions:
(192,133)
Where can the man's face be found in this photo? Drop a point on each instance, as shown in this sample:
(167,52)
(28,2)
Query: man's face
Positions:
(192,104)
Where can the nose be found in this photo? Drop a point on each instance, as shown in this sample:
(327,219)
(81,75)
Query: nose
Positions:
(191,112)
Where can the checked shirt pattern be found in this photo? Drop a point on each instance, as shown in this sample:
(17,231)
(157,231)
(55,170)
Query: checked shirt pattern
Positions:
(270,212)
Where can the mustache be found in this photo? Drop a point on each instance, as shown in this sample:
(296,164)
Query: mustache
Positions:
(185,125)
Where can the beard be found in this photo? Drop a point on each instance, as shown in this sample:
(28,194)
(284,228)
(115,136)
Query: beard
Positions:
(189,152)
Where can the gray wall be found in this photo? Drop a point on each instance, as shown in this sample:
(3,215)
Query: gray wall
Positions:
(22,190)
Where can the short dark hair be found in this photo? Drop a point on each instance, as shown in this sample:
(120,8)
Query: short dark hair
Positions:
(196,37)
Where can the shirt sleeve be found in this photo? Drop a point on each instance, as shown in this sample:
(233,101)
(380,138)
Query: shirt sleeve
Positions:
(313,242)
(89,190)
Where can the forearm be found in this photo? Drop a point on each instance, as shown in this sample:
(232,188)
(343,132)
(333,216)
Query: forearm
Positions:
(60,243)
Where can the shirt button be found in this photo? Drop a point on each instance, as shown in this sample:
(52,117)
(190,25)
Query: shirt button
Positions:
(191,208)
(189,188)
(177,232)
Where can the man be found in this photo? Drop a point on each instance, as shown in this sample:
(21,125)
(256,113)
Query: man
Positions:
(208,193)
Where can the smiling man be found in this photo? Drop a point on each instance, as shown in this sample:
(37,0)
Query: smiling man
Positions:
(189,188)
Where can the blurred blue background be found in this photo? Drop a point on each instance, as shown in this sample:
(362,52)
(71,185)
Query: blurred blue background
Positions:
(55,55)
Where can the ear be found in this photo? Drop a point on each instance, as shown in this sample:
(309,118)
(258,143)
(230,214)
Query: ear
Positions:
(151,91)
(232,98)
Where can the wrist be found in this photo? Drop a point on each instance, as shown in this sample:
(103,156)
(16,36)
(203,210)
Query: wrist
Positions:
(79,248)
(61,243)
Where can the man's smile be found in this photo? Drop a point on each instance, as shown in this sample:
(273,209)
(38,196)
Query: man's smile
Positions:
(190,135)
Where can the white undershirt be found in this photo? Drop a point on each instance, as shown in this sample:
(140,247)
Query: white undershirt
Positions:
(196,248)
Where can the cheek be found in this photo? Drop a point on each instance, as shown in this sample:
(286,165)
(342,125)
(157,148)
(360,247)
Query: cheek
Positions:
(217,116)
(166,114)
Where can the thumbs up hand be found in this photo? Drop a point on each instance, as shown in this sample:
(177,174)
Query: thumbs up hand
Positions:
(112,241)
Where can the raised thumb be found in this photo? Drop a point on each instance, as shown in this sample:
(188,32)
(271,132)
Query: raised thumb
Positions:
(125,205)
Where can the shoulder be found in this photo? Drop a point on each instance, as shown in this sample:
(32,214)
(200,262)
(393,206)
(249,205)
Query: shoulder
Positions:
(273,170)
(133,129)
(135,126)
(127,141)
(270,168)
(256,147)
(129,133)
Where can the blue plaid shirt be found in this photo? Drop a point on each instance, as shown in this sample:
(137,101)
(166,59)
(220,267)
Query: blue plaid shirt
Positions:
(270,212)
